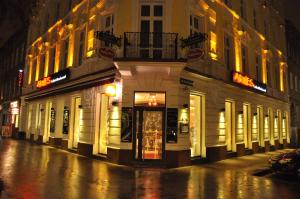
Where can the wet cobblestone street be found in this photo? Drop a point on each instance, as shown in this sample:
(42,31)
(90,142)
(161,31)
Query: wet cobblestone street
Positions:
(30,171)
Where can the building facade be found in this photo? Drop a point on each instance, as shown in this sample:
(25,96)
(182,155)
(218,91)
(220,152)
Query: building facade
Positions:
(293,59)
(167,82)
(12,63)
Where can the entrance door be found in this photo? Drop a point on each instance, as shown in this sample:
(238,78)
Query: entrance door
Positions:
(76,122)
(47,121)
(149,133)
(151,31)
(197,135)
(229,118)
(103,128)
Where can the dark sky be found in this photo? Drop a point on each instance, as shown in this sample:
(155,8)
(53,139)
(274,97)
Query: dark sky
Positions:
(14,14)
(292,11)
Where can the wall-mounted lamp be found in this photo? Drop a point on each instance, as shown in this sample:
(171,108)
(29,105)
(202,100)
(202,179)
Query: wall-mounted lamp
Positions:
(115,103)
(240,112)
(185,106)
(80,106)
(52,109)
(255,114)
(266,115)
(42,110)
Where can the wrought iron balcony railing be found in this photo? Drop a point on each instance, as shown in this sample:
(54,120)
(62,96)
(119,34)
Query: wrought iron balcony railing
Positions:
(150,46)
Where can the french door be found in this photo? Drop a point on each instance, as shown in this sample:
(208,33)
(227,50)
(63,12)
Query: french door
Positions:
(149,133)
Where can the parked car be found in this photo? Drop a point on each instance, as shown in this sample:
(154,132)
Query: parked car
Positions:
(287,163)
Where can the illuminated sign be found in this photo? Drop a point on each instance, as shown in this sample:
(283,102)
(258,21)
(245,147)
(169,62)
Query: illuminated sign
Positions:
(53,79)
(244,80)
(14,107)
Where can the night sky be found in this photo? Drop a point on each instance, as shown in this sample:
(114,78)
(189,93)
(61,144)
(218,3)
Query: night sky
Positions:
(14,14)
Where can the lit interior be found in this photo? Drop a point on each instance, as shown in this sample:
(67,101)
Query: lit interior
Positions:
(149,99)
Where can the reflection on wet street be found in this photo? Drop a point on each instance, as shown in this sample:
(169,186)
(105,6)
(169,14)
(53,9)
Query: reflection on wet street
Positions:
(38,172)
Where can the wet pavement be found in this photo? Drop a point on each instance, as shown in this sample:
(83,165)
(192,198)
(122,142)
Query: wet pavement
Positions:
(30,171)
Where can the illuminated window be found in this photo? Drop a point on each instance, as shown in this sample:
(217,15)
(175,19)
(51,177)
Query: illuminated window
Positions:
(90,44)
(213,45)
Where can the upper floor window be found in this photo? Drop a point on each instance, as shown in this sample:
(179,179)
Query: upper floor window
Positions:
(228,46)
(254,19)
(244,60)
(52,60)
(196,26)
(108,26)
(269,78)
(65,51)
(57,14)
(258,67)
(291,81)
(81,47)
(243,9)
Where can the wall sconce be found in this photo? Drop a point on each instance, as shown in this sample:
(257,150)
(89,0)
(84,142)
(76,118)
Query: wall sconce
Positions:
(110,90)
(255,114)
(240,112)
(115,103)
(186,106)
(65,107)
(42,110)
(52,109)
(80,106)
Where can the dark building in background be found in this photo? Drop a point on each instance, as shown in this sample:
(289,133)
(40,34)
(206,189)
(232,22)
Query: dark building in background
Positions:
(12,58)
(293,53)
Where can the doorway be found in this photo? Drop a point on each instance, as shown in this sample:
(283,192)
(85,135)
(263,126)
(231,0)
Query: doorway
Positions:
(229,119)
(149,133)
(103,124)
(151,28)
(197,135)
(47,121)
(76,122)
(247,126)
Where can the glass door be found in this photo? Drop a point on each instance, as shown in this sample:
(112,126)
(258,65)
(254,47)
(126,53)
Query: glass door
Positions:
(149,133)
(76,127)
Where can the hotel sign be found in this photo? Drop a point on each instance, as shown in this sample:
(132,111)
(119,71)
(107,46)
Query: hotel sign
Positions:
(246,81)
(53,79)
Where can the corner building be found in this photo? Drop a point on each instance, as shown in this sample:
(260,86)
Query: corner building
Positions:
(158,82)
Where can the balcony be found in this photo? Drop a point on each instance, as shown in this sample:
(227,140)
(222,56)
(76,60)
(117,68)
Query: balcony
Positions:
(150,46)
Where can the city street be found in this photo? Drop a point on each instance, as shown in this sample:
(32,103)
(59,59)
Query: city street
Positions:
(31,171)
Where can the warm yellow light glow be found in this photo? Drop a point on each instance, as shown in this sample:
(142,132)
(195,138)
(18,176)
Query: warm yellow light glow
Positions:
(266,128)
(212,20)
(240,128)
(52,27)
(237,49)
(213,45)
(57,56)
(261,36)
(92,17)
(281,76)
(222,127)
(240,32)
(47,57)
(90,43)
(254,128)
(36,41)
(37,68)
(276,127)
(264,66)
(30,72)
(110,90)
(77,6)
(71,50)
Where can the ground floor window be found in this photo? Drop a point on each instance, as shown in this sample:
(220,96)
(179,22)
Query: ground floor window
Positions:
(196,122)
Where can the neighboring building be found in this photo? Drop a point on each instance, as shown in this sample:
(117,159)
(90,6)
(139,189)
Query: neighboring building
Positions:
(12,62)
(148,87)
(293,59)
